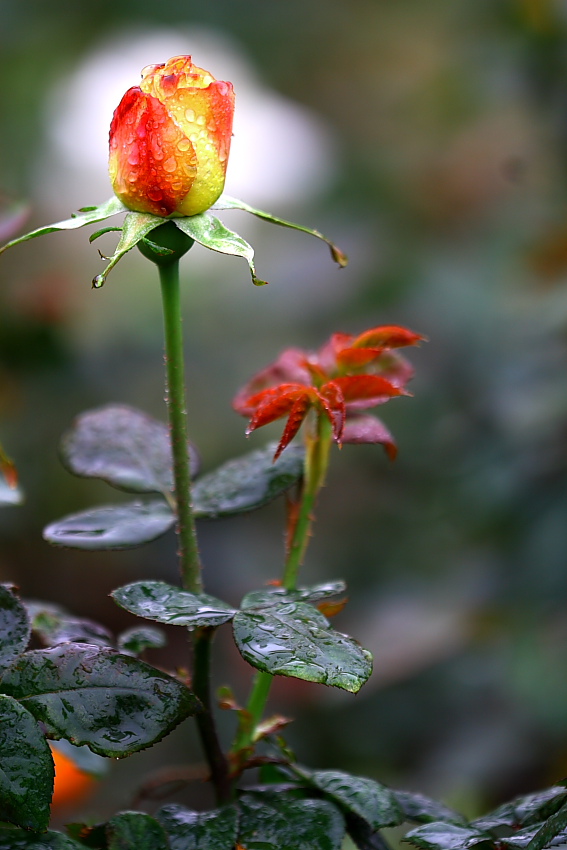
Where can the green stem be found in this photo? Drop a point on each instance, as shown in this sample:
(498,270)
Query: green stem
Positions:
(189,561)
(216,759)
(316,464)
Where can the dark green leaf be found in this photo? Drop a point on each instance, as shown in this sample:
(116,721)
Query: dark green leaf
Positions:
(112,526)
(445,836)
(188,830)
(276,595)
(227,203)
(421,809)
(135,831)
(9,495)
(282,823)
(124,447)
(26,768)
(555,825)
(156,600)
(209,231)
(366,798)
(114,703)
(294,639)
(15,626)
(53,629)
(247,483)
(94,214)
(363,835)
(136,640)
(525,810)
(18,839)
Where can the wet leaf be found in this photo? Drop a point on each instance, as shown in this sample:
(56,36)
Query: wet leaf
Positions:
(136,640)
(83,758)
(94,214)
(124,447)
(363,836)
(525,810)
(554,827)
(135,831)
(53,629)
(15,626)
(371,801)
(294,639)
(227,203)
(16,839)
(268,822)
(114,703)
(276,595)
(247,483)
(189,830)
(209,231)
(422,809)
(26,768)
(112,526)
(165,603)
(445,836)
(135,227)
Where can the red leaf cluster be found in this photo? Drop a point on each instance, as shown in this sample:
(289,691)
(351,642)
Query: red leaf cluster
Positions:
(347,375)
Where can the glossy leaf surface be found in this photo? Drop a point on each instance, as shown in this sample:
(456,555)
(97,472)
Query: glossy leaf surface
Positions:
(373,802)
(268,822)
(189,830)
(53,629)
(112,526)
(293,639)
(114,703)
(165,603)
(135,831)
(15,627)
(555,826)
(525,810)
(210,232)
(136,640)
(26,768)
(445,836)
(246,483)
(421,809)
(16,839)
(277,595)
(124,447)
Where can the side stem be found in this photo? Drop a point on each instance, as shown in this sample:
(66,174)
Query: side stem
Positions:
(316,464)
(189,560)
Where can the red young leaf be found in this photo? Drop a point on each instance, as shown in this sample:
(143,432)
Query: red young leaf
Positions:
(256,404)
(332,399)
(369,429)
(356,357)
(361,391)
(386,336)
(288,368)
(296,416)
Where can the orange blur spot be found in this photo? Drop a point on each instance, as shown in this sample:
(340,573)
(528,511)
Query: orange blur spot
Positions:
(72,785)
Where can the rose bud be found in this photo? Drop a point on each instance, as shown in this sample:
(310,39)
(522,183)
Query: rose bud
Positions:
(170,140)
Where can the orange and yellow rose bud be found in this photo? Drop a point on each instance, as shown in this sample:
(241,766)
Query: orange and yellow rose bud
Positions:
(170,140)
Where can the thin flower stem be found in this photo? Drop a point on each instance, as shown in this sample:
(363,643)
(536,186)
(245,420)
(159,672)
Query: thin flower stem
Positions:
(316,464)
(189,560)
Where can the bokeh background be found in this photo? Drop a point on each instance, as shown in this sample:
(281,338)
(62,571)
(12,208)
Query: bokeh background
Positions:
(429,139)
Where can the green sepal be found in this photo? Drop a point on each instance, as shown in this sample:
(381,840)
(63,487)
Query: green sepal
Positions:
(94,214)
(27,771)
(135,227)
(165,603)
(294,639)
(227,203)
(210,232)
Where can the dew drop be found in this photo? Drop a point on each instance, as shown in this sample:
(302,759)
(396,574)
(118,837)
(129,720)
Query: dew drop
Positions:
(155,195)
(170,164)
(201,120)
(98,281)
(184,145)
(193,137)
(190,115)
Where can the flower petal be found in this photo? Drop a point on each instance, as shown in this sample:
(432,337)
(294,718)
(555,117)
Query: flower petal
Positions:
(369,429)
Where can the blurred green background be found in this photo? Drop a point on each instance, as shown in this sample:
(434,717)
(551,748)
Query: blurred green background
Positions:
(429,139)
